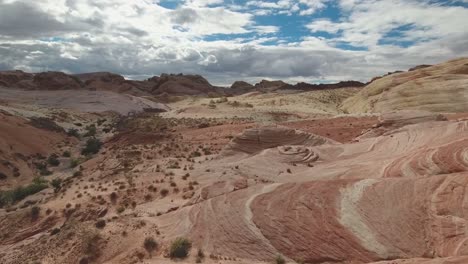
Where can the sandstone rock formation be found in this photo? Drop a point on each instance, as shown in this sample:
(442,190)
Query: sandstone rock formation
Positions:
(13,78)
(266,85)
(311,87)
(241,85)
(56,81)
(396,196)
(180,84)
(438,88)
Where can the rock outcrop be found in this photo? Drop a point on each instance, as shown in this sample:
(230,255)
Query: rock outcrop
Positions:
(323,86)
(438,88)
(390,197)
(180,84)
(266,85)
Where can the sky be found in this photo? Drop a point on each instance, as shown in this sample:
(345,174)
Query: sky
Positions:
(316,41)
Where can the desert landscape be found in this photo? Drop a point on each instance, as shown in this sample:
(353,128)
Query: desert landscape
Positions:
(234,132)
(97,168)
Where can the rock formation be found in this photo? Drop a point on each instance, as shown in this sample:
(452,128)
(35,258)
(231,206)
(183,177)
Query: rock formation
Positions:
(438,88)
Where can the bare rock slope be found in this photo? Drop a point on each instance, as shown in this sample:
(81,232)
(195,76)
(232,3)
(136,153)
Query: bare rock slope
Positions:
(438,88)
(397,196)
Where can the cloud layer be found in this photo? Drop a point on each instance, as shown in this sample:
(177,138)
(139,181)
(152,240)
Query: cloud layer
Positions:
(304,40)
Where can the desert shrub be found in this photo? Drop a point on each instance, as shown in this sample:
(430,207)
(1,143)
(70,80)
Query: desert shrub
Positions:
(3,176)
(21,192)
(91,245)
(93,145)
(100,223)
(74,163)
(180,248)
(113,197)
(200,256)
(222,100)
(101,121)
(35,211)
(150,244)
(66,154)
(42,167)
(53,160)
(279,260)
(196,154)
(57,184)
(164,192)
(54,231)
(90,131)
(73,132)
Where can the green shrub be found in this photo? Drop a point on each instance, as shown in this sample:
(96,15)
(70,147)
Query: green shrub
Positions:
(35,211)
(42,167)
(74,163)
(164,192)
(180,248)
(93,145)
(73,132)
(21,192)
(279,260)
(57,184)
(90,131)
(150,244)
(100,223)
(53,160)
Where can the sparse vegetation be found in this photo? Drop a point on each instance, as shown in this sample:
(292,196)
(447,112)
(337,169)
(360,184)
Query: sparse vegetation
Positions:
(53,160)
(90,131)
(180,248)
(164,192)
(100,224)
(35,211)
(42,168)
(73,132)
(93,145)
(150,244)
(57,184)
(91,245)
(239,104)
(74,163)
(279,260)
(200,256)
(19,193)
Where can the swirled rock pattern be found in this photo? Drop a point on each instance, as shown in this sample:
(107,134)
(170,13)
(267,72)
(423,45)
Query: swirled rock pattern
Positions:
(397,198)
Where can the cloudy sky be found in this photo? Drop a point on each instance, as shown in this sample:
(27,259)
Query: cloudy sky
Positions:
(227,40)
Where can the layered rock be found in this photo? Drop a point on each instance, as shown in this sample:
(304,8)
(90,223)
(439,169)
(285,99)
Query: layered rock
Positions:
(397,196)
(438,88)
(323,86)
(180,84)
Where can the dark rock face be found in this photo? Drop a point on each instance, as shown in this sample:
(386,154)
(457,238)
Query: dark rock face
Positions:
(10,78)
(180,84)
(311,87)
(171,84)
(270,85)
(419,67)
(241,85)
(56,81)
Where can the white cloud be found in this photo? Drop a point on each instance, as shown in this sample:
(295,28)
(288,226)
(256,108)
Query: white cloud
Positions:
(142,38)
